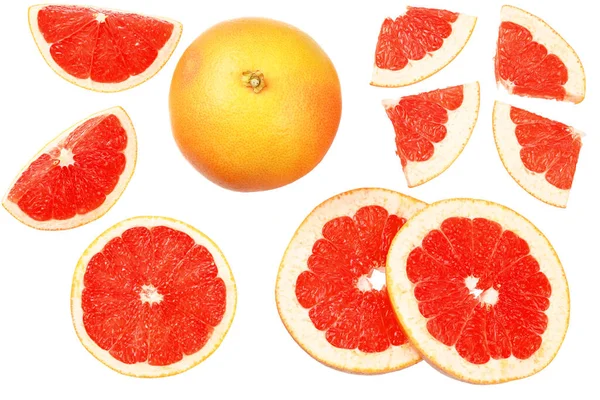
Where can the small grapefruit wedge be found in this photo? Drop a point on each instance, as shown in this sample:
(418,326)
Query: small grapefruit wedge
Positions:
(152,297)
(100,49)
(330,289)
(533,60)
(540,154)
(418,44)
(78,176)
(479,291)
(432,129)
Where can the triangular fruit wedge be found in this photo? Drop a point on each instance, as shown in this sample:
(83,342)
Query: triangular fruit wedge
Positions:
(331,293)
(78,176)
(533,60)
(100,49)
(479,291)
(539,153)
(418,44)
(432,129)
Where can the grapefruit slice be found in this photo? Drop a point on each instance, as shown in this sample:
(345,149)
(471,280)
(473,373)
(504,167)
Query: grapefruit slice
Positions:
(78,176)
(330,289)
(540,154)
(418,44)
(100,49)
(152,297)
(479,291)
(432,129)
(533,60)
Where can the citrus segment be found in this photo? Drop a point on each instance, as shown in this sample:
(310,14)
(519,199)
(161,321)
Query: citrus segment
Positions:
(539,153)
(479,291)
(78,176)
(331,289)
(152,297)
(432,129)
(418,44)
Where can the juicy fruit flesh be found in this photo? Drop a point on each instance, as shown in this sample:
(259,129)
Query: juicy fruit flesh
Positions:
(76,175)
(102,45)
(333,288)
(526,66)
(152,295)
(419,122)
(480,289)
(412,36)
(549,147)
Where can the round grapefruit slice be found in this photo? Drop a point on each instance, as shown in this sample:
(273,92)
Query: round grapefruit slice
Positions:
(533,60)
(432,129)
(99,49)
(540,154)
(330,289)
(152,297)
(418,44)
(479,291)
(78,176)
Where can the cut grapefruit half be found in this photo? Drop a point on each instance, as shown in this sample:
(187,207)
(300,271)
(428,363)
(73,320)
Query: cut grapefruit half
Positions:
(418,44)
(479,291)
(432,129)
(78,176)
(100,49)
(152,297)
(330,289)
(533,60)
(540,154)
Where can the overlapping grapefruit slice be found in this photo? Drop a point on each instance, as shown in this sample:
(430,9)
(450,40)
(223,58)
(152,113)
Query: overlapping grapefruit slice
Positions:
(432,129)
(418,44)
(152,297)
(78,176)
(99,49)
(533,60)
(479,291)
(331,293)
(540,154)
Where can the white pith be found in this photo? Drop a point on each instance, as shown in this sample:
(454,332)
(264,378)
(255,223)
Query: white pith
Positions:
(65,158)
(149,294)
(446,358)
(295,261)
(509,150)
(460,126)
(144,369)
(163,56)
(417,70)
(130,153)
(542,33)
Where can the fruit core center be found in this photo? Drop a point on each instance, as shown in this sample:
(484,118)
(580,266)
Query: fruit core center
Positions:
(65,158)
(149,294)
(489,296)
(375,280)
(100,17)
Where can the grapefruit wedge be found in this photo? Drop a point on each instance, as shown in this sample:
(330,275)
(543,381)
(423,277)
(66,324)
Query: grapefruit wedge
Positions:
(100,49)
(330,289)
(432,129)
(540,154)
(78,176)
(152,297)
(479,291)
(418,44)
(533,60)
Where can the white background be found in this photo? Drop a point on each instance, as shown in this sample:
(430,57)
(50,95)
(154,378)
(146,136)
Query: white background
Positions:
(39,351)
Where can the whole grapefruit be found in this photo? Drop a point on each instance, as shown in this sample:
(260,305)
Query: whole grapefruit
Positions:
(255,104)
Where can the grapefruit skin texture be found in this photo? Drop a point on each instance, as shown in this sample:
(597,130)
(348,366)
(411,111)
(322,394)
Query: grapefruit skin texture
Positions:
(249,141)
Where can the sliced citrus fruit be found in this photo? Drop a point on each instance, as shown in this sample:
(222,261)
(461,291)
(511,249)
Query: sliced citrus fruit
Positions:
(152,297)
(78,176)
(418,44)
(432,129)
(100,49)
(330,289)
(479,291)
(533,60)
(540,154)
